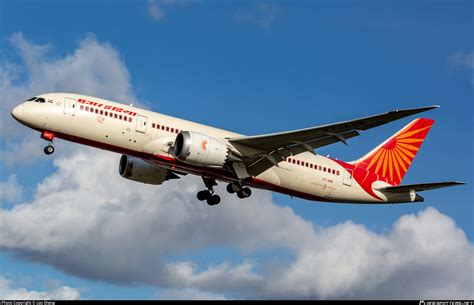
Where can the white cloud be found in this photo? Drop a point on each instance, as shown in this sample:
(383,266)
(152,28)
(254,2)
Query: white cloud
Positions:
(462,58)
(423,256)
(7,292)
(155,11)
(263,15)
(94,68)
(10,190)
(188,294)
(222,277)
(156,8)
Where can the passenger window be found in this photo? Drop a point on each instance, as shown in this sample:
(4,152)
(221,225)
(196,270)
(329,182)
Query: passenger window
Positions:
(115,115)
(152,125)
(96,111)
(157,126)
(87,108)
(125,118)
(130,119)
(102,112)
(81,107)
(319,167)
(167,128)
(92,109)
(324,169)
(120,117)
(172,130)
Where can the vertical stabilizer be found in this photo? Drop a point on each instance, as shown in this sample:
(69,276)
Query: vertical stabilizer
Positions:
(392,158)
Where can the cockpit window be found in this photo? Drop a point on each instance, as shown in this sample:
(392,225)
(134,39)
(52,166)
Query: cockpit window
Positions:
(40,100)
(32,99)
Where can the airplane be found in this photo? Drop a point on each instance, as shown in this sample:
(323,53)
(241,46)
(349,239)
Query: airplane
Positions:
(156,148)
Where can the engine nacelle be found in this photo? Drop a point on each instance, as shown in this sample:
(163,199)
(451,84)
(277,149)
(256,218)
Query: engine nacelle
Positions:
(138,170)
(200,149)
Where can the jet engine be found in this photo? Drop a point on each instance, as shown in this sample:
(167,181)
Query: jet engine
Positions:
(200,149)
(138,170)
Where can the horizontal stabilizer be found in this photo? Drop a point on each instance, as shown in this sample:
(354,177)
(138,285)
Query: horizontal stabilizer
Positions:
(418,187)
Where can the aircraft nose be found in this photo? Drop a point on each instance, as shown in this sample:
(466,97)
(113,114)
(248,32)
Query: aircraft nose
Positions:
(17,112)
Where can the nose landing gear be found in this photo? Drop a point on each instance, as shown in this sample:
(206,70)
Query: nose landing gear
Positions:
(48,136)
(49,149)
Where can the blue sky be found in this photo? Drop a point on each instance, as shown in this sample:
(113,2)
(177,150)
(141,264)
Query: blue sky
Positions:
(251,67)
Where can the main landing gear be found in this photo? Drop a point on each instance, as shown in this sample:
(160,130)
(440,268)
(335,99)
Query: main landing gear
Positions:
(242,192)
(208,194)
(213,199)
(48,136)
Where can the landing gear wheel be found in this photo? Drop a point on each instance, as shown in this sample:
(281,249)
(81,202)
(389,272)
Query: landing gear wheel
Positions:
(232,188)
(49,149)
(213,200)
(244,193)
(203,195)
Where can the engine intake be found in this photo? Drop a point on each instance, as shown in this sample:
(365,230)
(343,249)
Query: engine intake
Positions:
(200,149)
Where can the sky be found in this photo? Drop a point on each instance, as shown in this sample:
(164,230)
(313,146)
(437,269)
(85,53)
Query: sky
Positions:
(72,228)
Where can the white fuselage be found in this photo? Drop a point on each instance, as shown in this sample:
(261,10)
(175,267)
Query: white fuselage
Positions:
(149,135)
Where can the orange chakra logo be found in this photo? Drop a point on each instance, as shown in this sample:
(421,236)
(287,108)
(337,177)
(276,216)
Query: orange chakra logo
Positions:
(204,145)
(394,157)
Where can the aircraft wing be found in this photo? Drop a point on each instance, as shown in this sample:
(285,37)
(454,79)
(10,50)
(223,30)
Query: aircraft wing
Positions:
(264,151)
(418,187)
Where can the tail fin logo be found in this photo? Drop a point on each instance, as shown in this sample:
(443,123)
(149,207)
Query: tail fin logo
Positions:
(392,159)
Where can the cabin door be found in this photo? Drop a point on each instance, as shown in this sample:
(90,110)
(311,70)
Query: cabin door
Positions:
(347,178)
(141,123)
